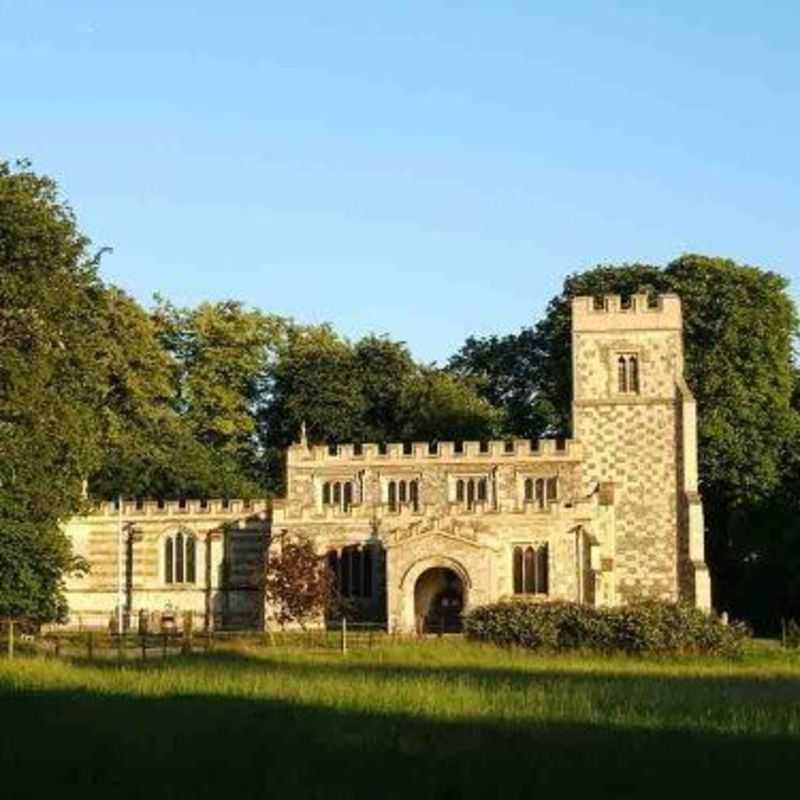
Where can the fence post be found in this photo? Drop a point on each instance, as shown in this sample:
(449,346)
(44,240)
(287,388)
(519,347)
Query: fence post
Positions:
(344,635)
(783,632)
(90,645)
(120,645)
(11,638)
(188,622)
(164,634)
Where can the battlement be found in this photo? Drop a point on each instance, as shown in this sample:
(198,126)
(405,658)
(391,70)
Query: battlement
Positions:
(612,313)
(398,453)
(181,508)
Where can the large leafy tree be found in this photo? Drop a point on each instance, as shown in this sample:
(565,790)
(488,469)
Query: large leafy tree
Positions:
(50,387)
(221,356)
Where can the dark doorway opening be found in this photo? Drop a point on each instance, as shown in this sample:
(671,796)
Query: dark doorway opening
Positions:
(439,601)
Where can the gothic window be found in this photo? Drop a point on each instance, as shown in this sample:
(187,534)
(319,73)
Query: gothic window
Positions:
(367,570)
(180,558)
(530,569)
(539,492)
(356,575)
(392,495)
(518,571)
(552,489)
(169,559)
(470,491)
(622,375)
(628,374)
(191,569)
(352,570)
(633,374)
(338,494)
(402,492)
(529,490)
(413,494)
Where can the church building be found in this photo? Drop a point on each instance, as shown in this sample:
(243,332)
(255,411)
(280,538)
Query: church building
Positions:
(418,532)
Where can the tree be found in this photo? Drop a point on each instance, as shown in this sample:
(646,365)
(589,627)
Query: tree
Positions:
(298,584)
(221,355)
(505,372)
(50,387)
(442,407)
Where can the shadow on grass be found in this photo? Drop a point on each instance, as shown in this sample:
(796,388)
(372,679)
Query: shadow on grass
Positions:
(212,746)
(79,743)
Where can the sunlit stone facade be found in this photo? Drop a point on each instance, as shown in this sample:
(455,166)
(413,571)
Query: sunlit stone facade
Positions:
(418,532)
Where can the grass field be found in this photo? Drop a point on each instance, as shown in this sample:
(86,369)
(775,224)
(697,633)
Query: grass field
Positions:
(436,719)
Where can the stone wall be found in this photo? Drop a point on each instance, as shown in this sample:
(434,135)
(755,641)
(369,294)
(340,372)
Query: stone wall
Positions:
(229,539)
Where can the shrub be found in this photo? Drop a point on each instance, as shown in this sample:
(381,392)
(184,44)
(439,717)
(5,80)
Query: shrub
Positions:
(640,628)
(791,634)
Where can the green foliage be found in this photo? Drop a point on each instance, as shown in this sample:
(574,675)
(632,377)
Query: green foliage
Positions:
(640,628)
(368,391)
(50,386)
(222,354)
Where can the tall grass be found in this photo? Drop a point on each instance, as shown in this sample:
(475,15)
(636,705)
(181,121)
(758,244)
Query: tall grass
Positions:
(433,719)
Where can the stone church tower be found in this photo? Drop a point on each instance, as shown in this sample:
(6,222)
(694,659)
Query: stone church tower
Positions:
(636,419)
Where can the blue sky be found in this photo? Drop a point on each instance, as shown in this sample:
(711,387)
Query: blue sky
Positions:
(424,169)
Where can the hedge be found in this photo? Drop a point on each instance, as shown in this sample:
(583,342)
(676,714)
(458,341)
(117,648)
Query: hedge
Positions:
(639,628)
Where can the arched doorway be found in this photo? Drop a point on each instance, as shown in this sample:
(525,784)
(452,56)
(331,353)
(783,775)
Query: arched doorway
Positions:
(439,600)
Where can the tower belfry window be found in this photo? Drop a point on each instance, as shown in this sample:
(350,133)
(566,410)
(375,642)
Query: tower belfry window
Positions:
(628,374)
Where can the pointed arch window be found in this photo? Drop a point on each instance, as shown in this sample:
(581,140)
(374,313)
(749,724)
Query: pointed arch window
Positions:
(530,569)
(180,558)
(628,373)
(413,494)
(351,569)
(339,494)
(633,374)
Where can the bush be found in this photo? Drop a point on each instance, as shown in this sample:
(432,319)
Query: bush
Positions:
(640,628)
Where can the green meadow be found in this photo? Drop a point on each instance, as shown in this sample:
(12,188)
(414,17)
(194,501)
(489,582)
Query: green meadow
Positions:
(432,719)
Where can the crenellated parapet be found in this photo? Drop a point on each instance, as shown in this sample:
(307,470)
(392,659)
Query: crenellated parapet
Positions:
(181,508)
(614,313)
(404,453)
